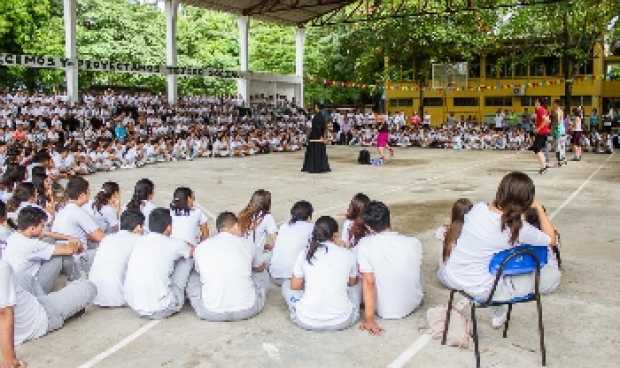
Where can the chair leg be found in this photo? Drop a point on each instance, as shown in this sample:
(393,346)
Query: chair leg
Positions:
(475,333)
(541,331)
(447,322)
(507,321)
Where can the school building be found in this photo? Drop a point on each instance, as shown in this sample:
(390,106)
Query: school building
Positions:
(512,87)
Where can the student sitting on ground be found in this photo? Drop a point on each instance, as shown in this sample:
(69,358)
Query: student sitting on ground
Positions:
(223,287)
(320,295)
(293,237)
(72,220)
(105,208)
(110,264)
(142,200)
(390,266)
(30,312)
(356,208)
(158,270)
(450,233)
(491,228)
(188,223)
(25,252)
(258,225)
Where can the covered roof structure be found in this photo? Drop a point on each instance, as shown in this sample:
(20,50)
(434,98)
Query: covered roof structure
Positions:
(290,12)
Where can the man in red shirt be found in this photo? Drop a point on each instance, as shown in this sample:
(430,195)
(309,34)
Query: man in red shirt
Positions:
(542,130)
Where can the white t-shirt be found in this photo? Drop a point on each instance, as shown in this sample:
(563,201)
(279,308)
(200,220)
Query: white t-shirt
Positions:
(106,218)
(187,227)
(26,254)
(345,231)
(147,282)
(73,220)
(225,265)
(481,238)
(395,261)
(258,236)
(291,240)
(325,301)
(110,266)
(30,319)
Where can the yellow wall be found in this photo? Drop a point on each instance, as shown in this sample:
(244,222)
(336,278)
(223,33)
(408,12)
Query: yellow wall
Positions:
(595,87)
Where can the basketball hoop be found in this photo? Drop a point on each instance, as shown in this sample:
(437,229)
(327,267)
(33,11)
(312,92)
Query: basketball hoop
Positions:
(447,76)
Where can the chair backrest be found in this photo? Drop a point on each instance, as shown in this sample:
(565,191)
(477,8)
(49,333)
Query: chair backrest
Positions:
(519,260)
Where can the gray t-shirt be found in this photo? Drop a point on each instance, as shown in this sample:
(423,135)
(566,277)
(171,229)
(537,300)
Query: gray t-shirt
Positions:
(29,316)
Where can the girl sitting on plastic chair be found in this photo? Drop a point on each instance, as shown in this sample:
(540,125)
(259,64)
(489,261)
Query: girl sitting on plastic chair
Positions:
(492,227)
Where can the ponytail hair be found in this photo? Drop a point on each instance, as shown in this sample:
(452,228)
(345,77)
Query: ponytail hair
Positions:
(459,209)
(301,211)
(142,191)
(108,189)
(253,213)
(324,230)
(514,197)
(179,205)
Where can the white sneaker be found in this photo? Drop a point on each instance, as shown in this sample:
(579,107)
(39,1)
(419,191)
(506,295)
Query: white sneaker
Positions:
(500,314)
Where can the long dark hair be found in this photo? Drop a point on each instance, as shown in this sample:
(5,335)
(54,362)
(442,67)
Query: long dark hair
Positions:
(108,189)
(142,191)
(461,207)
(324,229)
(514,197)
(38,180)
(301,211)
(357,205)
(13,175)
(179,204)
(22,193)
(253,213)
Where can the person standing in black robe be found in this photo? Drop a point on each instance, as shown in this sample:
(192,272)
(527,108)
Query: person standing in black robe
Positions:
(315,161)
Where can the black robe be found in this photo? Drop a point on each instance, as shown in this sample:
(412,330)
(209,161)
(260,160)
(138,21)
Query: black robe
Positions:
(315,160)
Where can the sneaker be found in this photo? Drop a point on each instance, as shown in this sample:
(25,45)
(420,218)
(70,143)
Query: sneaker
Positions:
(544,170)
(500,314)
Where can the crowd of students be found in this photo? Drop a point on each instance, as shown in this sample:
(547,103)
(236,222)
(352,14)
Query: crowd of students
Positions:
(151,259)
(109,131)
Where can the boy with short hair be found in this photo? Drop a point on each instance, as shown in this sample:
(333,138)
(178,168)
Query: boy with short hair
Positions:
(73,220)
(390,266)
(223,287)
(110,265)
(158,270)
(25,252)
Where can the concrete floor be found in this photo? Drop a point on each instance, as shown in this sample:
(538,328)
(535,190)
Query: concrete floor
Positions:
(581,318)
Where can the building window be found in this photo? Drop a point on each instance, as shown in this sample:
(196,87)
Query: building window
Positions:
(433,101)
(581,101)
(466,101)
(401,102)
(498,101)
(491,67)
(586,68)
(552,66)
(537,68)
(531,100)
(474,68)
(520,70)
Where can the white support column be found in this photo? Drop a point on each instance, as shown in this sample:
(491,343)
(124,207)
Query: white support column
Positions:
(71,71)
(171,48)
(243,84)
(300,38)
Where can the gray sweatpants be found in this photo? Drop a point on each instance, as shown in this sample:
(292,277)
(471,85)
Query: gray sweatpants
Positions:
(50,270)
(194,293)
(62,304)
(293,296)
(179,278)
